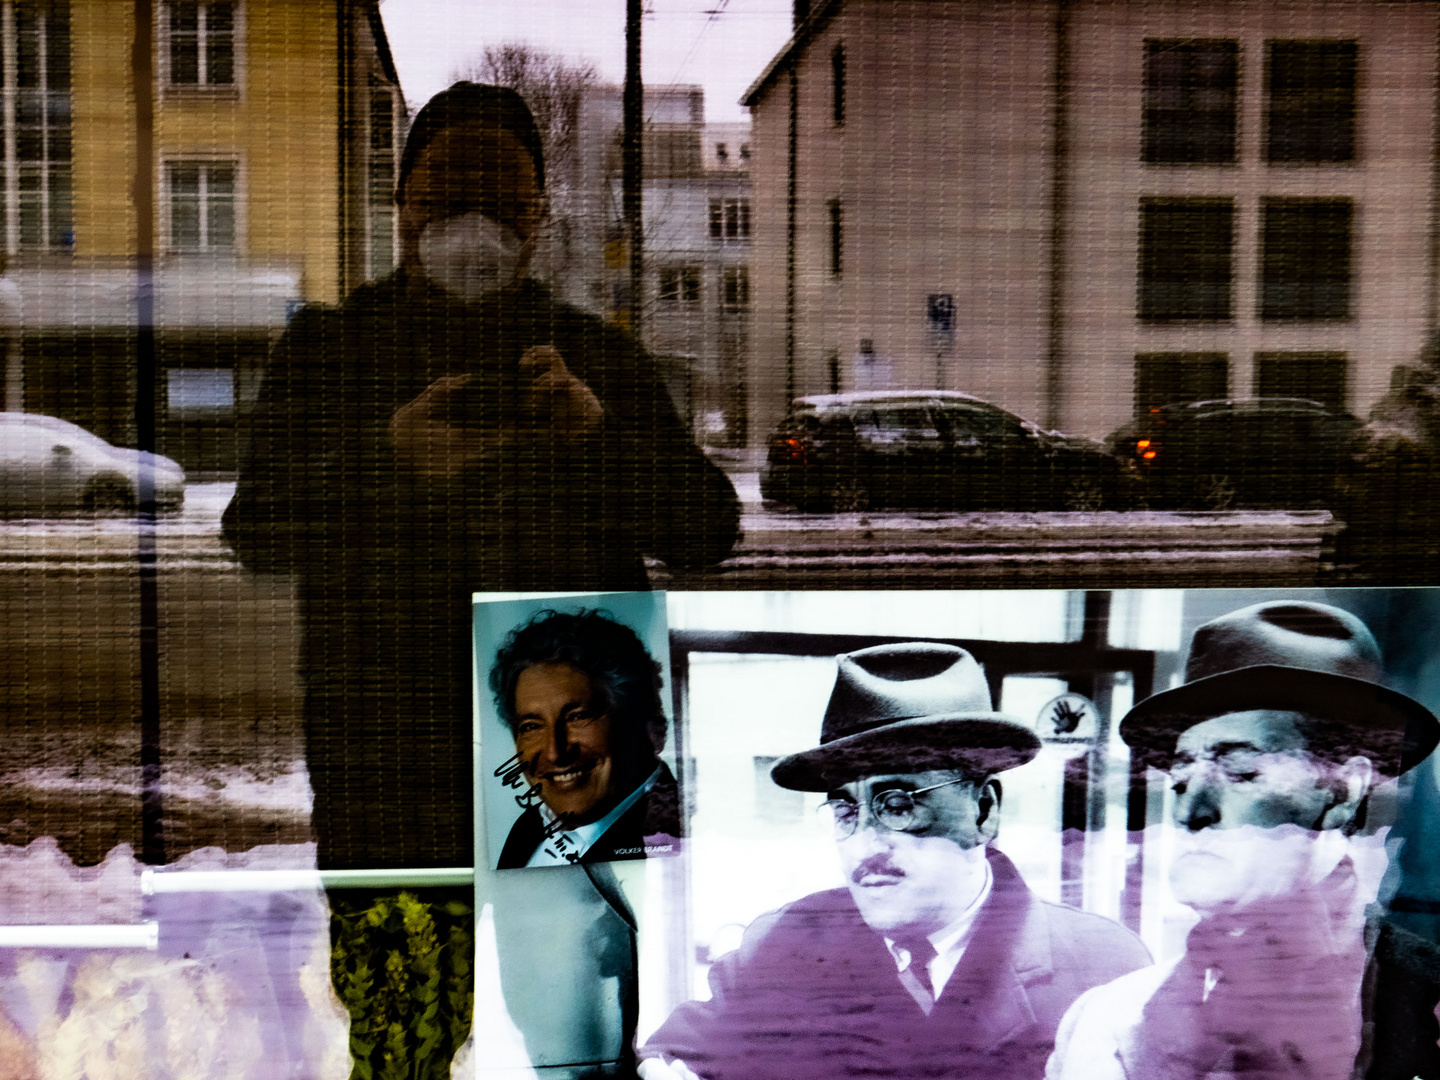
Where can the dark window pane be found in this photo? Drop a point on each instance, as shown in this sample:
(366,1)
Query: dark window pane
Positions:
(220,18)
(29,144)
(1311,100)
(1317,376)
(27,45)
(184,60)
(185,180)
(184,18)
(1189,103)
(837,238)
(1305,258)
(57,47)
(220,62)
(62,215)
(1185,258)
(837,86)
(717,219)
(222,179)
(221,223)
(1163,378)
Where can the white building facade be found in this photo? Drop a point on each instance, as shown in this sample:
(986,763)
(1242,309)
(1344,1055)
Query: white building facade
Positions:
(1084,209)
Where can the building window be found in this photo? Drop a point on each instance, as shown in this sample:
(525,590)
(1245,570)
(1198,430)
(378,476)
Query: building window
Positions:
(36,205)
(1189,103)
(735,288)
(837,86)
(1185,259)
(744,151)
(1165,378)
(198,44)
(1305,258)
(722,153)
(202,203)
(381,175)
(192,394)
(1315,376)
(837,239)
(679,286)
(729,219)
(1310,107)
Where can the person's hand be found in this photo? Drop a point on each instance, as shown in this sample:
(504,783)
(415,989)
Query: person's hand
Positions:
(555,398)
(660,1069)
(427,444)
(553,402)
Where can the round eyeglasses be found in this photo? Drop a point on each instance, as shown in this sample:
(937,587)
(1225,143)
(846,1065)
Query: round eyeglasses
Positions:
(894,809)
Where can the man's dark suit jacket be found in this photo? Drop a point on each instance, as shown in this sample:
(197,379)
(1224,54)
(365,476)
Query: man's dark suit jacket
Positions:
(655,814)
(813,992)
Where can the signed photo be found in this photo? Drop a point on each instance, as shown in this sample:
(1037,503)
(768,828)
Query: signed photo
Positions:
(573,725)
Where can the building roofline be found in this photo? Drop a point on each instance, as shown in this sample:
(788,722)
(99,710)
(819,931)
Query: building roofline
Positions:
(798,40)
(382,43)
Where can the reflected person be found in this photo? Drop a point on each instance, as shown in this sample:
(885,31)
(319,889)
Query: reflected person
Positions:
(581,696)
(935,959)
(1274,746)
(448,429)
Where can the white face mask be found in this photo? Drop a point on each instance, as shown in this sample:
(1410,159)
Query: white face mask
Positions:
(470,254)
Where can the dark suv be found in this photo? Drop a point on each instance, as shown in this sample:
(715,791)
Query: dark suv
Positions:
(931,449)
(1239,453)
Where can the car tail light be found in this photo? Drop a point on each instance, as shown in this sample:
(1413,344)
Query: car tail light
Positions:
(790,447)
(1145,449)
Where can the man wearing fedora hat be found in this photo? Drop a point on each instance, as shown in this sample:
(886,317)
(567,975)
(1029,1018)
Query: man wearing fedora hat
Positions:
(1274,745)
(935,960)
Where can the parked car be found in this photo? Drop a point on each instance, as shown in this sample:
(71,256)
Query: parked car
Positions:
(931,449)
(1239,453)
(49,466)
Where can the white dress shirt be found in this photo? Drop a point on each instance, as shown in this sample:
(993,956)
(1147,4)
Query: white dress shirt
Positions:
(949,943)
(568,846)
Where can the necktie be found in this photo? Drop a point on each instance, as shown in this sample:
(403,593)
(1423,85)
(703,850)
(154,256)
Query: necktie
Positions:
(916,976)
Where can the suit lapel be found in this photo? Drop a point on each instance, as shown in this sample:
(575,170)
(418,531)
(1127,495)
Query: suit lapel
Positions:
(1009,947)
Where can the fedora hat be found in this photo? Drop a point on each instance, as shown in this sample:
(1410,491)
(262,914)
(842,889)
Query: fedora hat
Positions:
(907,708)
(1292,656)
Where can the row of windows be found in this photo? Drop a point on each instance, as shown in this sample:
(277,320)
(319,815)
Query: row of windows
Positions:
(679,287)
(1191,101)
(1165,377)
(1186,270)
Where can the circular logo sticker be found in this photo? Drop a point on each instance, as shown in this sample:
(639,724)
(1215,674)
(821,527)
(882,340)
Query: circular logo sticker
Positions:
(1069,718)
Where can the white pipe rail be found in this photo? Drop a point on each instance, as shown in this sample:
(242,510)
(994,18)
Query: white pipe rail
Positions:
(146,935)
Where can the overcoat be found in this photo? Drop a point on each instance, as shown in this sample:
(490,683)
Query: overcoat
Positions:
(812,991)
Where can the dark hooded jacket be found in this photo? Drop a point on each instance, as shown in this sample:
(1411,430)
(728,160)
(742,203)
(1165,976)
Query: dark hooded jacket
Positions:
(387,562)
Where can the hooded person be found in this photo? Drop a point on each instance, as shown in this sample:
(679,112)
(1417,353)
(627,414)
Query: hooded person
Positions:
(934,959)
(1274,744)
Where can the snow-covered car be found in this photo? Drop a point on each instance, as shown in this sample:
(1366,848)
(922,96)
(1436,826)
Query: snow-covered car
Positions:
(49,466)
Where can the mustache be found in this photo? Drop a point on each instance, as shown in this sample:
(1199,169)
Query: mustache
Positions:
(875,864)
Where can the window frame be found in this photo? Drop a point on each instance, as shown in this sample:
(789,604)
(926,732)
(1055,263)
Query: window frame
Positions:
(727,227)
(1152,129)
(687,281)
(1148,309)
(166,205)
(13,167)
(1270,113)
(1268,310)
(167,88)
(739,277)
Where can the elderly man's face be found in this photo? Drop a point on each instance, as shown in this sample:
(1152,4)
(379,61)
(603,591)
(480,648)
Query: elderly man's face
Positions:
(563,736)
(1251,802)
(912,883)
(465,168)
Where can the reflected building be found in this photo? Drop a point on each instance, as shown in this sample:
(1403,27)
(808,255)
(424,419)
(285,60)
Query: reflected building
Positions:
(695,310)
(1083,210)
(270,130)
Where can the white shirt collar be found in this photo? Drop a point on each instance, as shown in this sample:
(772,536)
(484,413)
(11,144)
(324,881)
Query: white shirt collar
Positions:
(949,942)
(568,846)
